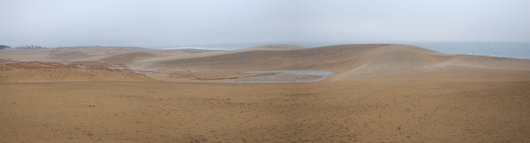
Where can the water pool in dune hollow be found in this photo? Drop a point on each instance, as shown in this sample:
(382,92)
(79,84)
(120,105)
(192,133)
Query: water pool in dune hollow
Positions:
(304,72)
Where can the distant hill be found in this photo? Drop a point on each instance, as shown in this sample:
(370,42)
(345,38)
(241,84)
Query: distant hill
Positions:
(30,47)
(4,46)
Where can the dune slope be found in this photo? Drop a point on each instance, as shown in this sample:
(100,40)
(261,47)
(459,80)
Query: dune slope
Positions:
(322,58)
(350,61)
(36,71)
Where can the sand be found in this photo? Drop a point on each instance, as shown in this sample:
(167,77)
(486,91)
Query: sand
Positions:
(381,93)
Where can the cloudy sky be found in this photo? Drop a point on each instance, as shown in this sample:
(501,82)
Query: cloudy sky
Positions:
(154,23)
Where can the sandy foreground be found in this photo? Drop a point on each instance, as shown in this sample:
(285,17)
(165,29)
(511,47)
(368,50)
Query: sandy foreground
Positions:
(381,93)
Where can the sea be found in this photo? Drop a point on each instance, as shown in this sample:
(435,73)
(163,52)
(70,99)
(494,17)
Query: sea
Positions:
(499,49)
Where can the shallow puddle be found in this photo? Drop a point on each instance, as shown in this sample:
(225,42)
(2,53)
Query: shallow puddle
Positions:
(287,76)
(304,72)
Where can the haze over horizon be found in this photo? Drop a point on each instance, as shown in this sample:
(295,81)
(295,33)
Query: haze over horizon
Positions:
(161,23)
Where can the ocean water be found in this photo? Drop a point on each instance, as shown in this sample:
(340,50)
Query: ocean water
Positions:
(500,49)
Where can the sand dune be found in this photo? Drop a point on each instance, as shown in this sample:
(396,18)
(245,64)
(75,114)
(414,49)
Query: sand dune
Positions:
(381,93)
(276,47)
(336,58)
(127,58)
(54,75)
(349,60)
(66,56)
(53,71)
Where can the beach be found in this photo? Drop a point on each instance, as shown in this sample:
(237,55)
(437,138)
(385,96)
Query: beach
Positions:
(379,93)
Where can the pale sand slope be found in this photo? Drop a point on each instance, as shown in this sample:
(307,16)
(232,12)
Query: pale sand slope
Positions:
(382,93)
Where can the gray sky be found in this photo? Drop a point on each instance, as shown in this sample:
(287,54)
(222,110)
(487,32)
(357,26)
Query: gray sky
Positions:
(160,23)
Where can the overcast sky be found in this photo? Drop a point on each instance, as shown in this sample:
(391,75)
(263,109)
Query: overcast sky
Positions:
(154,23)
